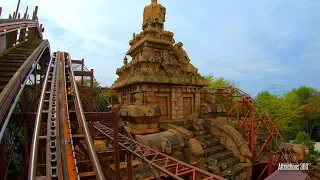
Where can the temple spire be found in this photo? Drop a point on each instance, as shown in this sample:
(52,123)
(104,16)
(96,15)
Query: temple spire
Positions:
(154,16)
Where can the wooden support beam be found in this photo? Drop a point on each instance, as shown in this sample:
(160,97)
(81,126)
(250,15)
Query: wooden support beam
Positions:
(77,61)
(87,174)
(83,73)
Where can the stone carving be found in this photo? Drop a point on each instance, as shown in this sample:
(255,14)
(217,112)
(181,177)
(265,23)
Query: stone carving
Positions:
(195,147)
(183,58)
(210,109)
(193,116)
(212,166)
(300,151)
(154,16)
(139,110)
(167,142)
(181,54)
(194,152)
(165,145)
(155,57)
(197,124)
(125,60)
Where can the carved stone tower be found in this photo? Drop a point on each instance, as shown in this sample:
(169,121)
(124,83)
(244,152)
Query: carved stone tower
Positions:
(154,15)
(161,72)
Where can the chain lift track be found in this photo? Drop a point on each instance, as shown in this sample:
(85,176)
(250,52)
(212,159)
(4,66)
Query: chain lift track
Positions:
(46,100)
(53,113)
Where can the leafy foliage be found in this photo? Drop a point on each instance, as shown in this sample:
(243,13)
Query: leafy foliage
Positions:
(285,110)
(295,111)
(14,150)
(215,82)
(111,96)
(303,138)
(102,96)
(304,93)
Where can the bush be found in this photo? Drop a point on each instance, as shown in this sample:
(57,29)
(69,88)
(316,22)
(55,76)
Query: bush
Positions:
(303,138)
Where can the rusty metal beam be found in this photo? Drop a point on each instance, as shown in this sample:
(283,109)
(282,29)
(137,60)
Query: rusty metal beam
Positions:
(116,148)
(129,166)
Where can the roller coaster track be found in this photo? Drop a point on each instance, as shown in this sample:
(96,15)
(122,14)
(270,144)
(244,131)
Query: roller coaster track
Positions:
(63,136)
(54,95)
(17,63)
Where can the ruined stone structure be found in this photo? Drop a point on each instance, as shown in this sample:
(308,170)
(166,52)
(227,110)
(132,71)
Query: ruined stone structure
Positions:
(160,72)
(161,97)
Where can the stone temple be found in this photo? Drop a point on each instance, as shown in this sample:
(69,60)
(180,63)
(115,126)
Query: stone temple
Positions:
(162,101)
(159,78)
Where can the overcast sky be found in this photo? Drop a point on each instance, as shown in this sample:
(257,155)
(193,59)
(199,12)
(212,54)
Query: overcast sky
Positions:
(256,43)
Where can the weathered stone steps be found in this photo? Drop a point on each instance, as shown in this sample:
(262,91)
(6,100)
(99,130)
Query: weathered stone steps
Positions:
(213,150)
(210,142)
(232,171)
(227,163)
(220,160)
(315,172)
(221,155)
(239,178)
(207,136)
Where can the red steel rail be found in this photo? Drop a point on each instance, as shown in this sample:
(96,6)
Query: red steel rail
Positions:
(165,164)
(251,119)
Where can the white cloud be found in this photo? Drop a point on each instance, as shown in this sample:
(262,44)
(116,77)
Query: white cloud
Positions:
(242,41)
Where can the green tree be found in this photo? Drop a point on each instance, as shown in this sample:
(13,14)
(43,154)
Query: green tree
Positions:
(311,116)
(110,95)
(294,111)
(309,101)
(268,101)
(290,113)
(304,93)
(215,82)
(303,138)
(284,109)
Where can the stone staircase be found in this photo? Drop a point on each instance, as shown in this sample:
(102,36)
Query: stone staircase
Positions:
(219,160)
(314,172)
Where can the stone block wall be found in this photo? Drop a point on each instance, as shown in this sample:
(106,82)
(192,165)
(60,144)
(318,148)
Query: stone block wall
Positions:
(176,102)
